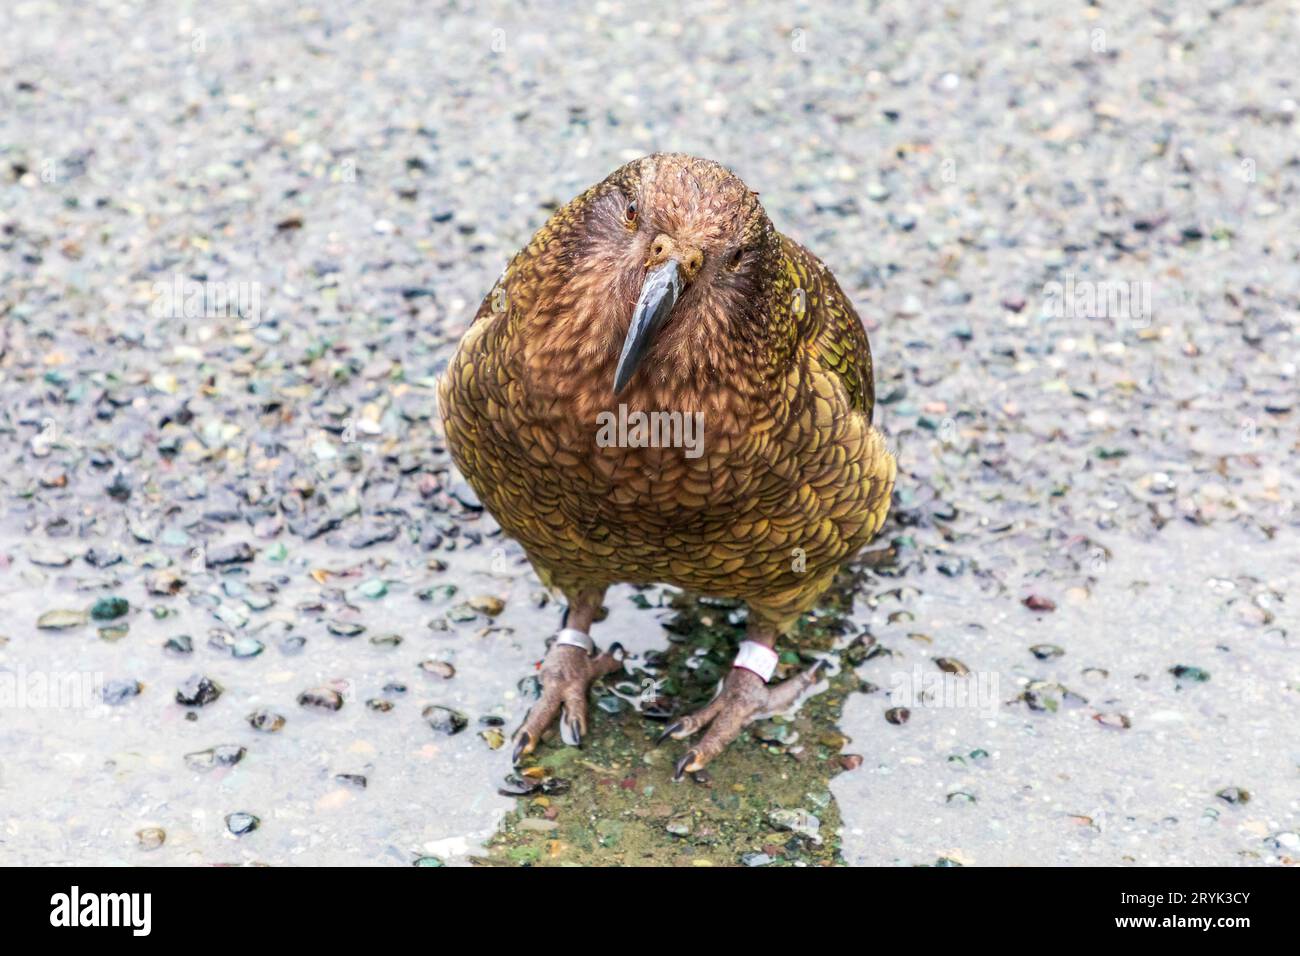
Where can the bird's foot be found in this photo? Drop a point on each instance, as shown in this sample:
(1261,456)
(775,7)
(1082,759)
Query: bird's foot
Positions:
(567,672)
(745,697)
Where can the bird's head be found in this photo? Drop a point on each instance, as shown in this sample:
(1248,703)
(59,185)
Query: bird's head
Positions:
(671,259)
(694,241)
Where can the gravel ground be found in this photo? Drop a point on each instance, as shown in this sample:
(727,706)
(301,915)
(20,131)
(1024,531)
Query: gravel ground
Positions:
(1071,230)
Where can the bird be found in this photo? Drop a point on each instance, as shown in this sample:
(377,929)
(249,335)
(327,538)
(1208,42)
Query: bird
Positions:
(661,388)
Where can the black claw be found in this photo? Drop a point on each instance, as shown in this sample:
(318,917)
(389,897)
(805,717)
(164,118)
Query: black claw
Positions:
(668,733)
(569,732)
(523,742)
(683,764)
(617,652)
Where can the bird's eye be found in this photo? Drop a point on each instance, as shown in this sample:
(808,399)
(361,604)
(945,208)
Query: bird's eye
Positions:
(736,258)
(630,212)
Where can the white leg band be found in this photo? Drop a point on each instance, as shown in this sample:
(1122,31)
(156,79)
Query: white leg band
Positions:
(753,656)
(575,638)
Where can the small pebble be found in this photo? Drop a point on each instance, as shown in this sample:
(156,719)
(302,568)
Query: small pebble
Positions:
(897,715)
(120,691)
(266,721)
(321,698)
(444,719)
(241,824)
(109,608)
(198,691)
(1113,721)
(180,645)
(438,669)
(61,620)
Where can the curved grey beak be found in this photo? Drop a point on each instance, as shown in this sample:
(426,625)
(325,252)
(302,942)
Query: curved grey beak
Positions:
(658,296)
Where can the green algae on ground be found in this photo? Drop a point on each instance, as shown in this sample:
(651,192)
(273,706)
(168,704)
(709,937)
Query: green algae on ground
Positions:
(765,801)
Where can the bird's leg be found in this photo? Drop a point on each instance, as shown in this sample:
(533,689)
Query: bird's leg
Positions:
(745,696)
(571,664)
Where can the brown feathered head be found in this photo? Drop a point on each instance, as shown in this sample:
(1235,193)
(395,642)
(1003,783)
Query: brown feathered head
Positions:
(662,281)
